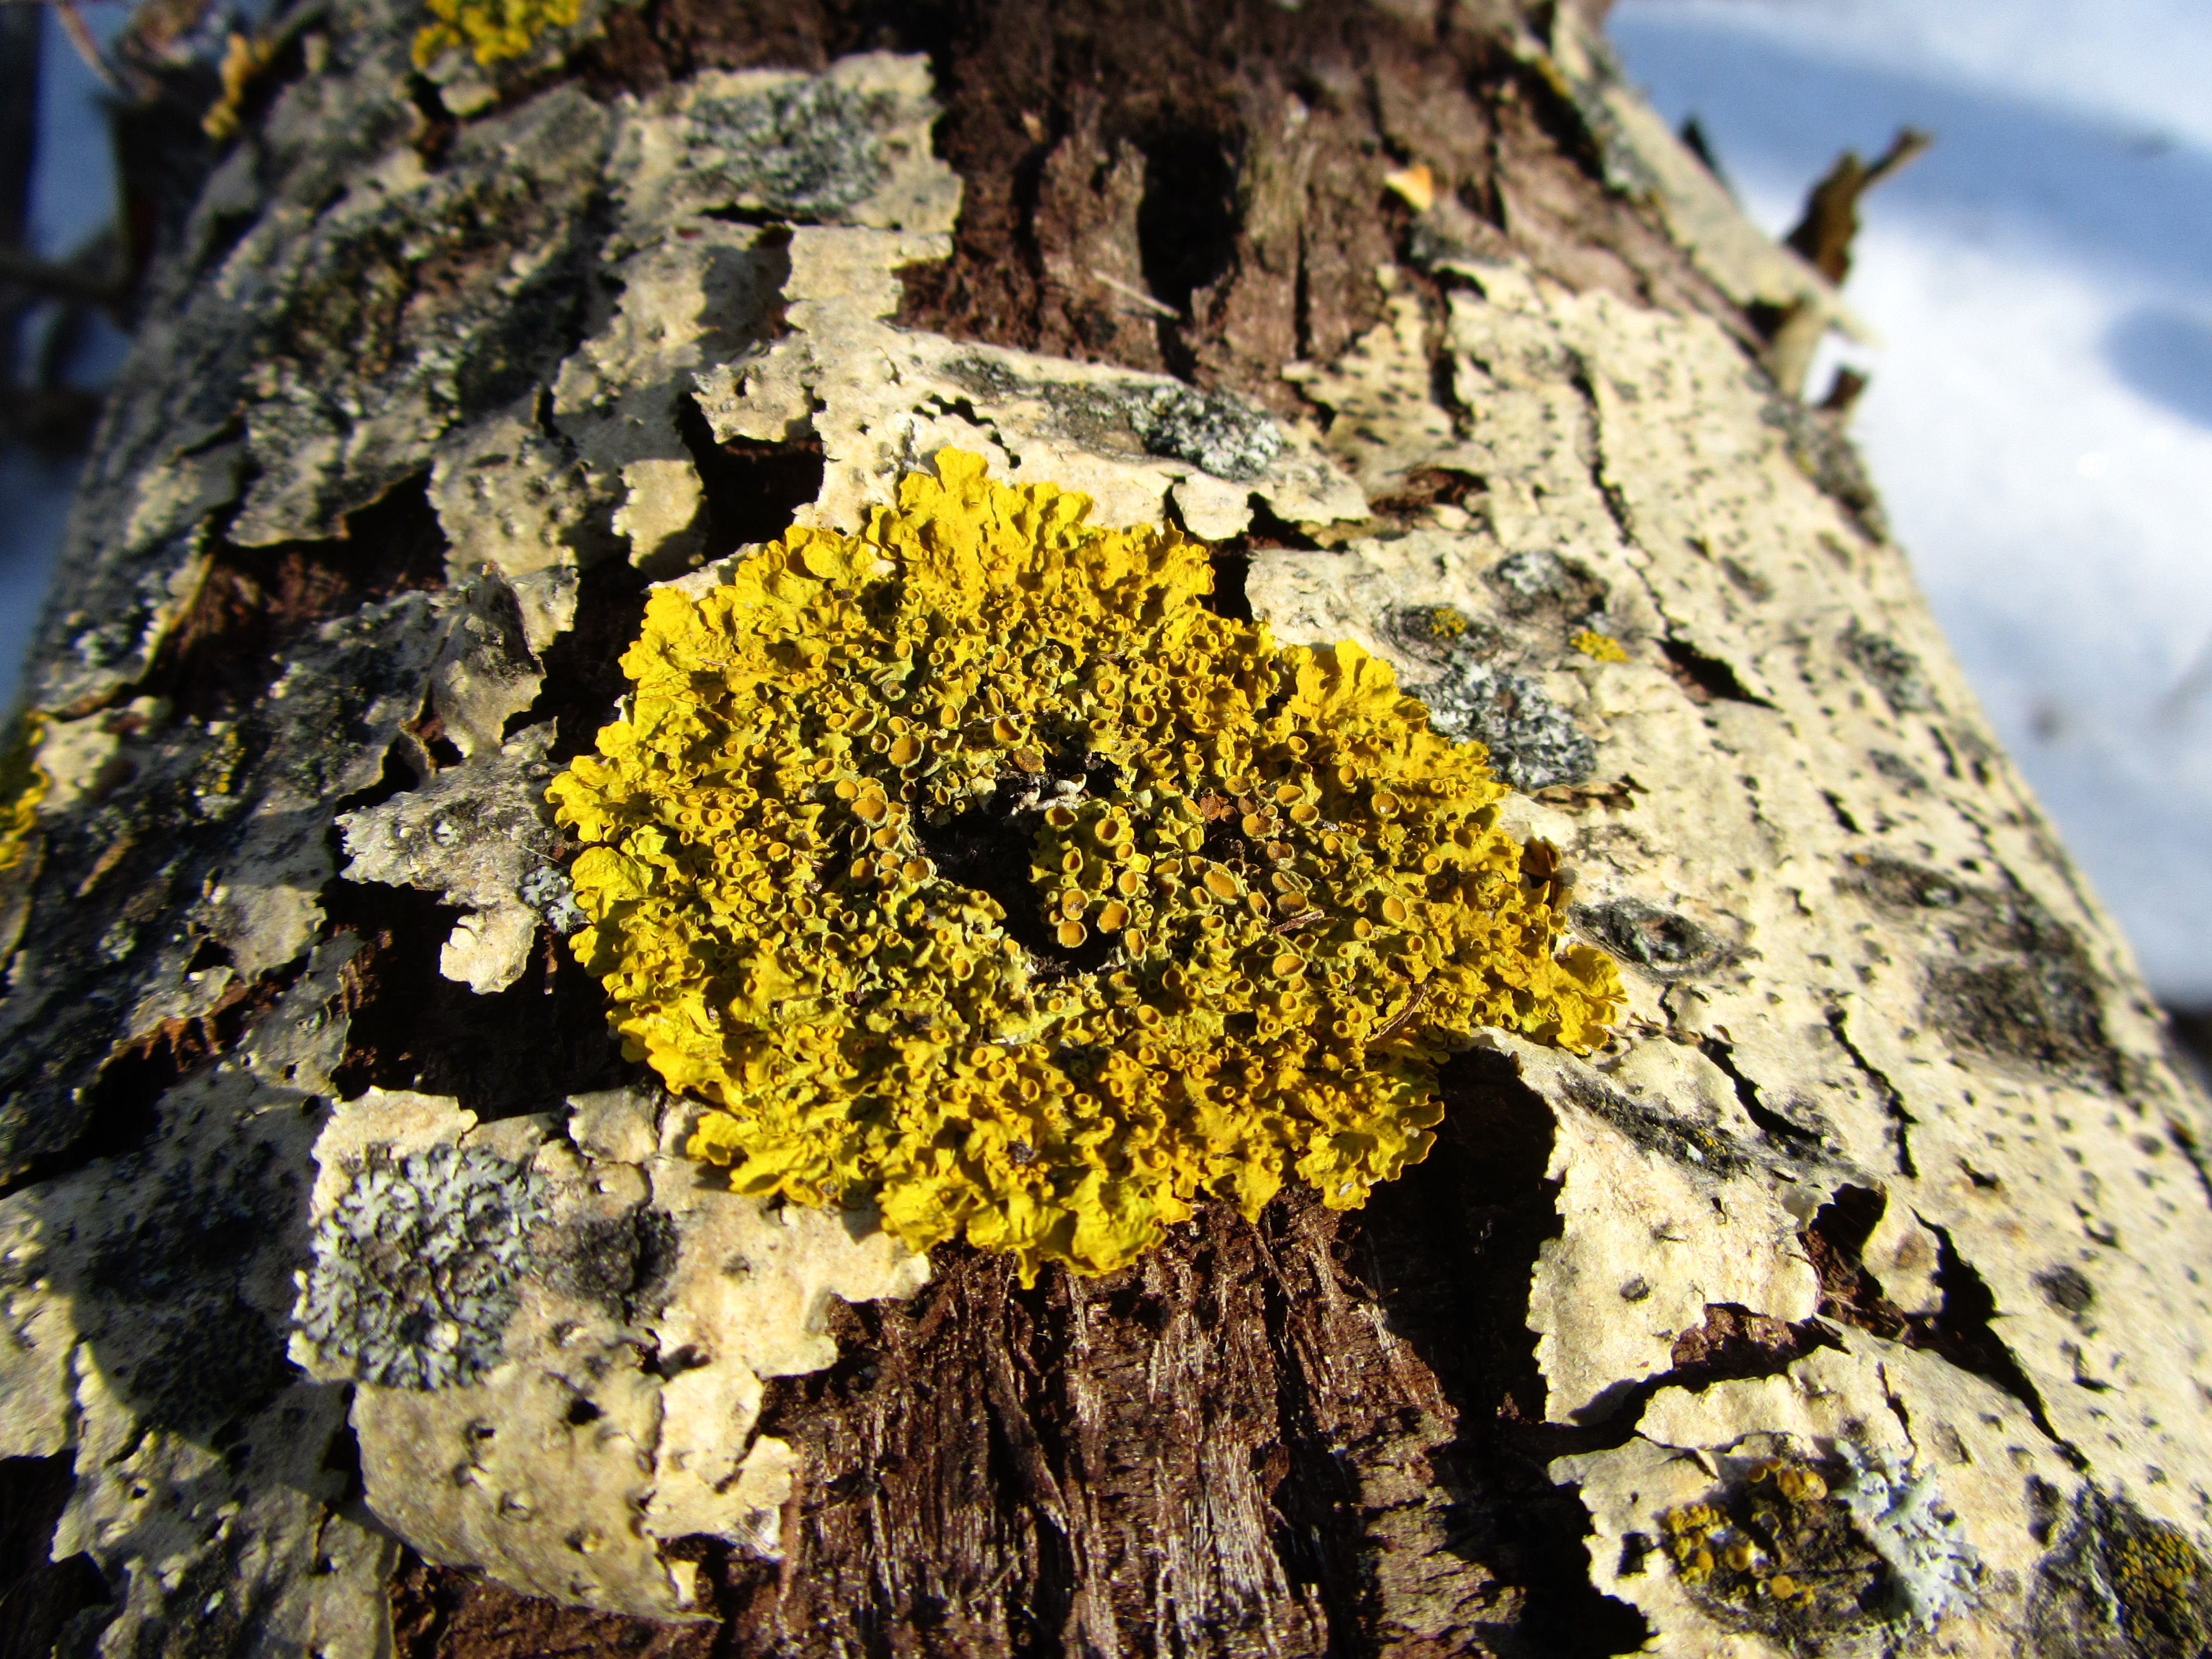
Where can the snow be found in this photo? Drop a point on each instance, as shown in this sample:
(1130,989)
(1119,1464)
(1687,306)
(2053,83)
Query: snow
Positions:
(72,196)
(2039,419)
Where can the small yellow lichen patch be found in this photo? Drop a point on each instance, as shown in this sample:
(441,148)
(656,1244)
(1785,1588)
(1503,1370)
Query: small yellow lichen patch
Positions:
(490,29)
(23,785)
(1603,647)
(243,58)
(973,864)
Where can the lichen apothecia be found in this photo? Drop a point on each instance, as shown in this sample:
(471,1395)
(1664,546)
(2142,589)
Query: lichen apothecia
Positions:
(488,29)
(972,865)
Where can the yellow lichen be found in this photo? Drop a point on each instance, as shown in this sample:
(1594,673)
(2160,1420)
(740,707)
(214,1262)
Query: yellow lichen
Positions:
(1246,900)
(489,29)
(23,785)
(1602,646)
(243,59)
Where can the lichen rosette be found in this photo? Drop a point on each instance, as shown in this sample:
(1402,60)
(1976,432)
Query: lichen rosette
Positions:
(972,865)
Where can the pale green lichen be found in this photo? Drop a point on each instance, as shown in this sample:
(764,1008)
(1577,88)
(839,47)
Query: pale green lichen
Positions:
(1246,898)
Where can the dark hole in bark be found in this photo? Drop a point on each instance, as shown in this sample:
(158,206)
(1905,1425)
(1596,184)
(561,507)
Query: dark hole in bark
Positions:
(1425,486)
(523,1049)
(1707,679)
(1188,220)
(253,601)
(583,666)
(429,730)
(988,848)
(753,488)
(1232,566)
(675,1363)
(39,1597)
(398,774)
(342,1457)
(1268,530)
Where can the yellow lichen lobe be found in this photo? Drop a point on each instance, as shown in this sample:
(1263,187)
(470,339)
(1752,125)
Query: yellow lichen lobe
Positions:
(489,29)
(244,58)
(972,864)
(23,785)
(1601,647)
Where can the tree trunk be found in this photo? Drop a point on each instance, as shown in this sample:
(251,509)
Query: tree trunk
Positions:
(1847,1300)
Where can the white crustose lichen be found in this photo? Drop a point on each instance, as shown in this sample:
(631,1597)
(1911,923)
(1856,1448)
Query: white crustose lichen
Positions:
(416,1267)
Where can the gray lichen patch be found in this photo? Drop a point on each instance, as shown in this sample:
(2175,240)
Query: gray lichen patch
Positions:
(1664,943)
(1902,1510)
(1537,581)
(1896,673)
(2004,973)
(421,299)
(1534,744)
(480,835)
(1214,431)
(418,1266)
(577,1326)
(143,1304)
(804,149)
(850,146)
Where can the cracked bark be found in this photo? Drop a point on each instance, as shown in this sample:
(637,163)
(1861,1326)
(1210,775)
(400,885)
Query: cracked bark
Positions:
(442,371)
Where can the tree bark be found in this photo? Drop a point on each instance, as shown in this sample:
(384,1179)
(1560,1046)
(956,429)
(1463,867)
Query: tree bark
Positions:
(1848,1301)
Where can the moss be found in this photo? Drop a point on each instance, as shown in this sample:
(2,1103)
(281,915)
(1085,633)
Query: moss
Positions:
(974,865)
(23,786)
(809,148)
(488,29)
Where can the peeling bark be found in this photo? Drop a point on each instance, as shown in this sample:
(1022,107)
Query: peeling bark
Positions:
(357,1298)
